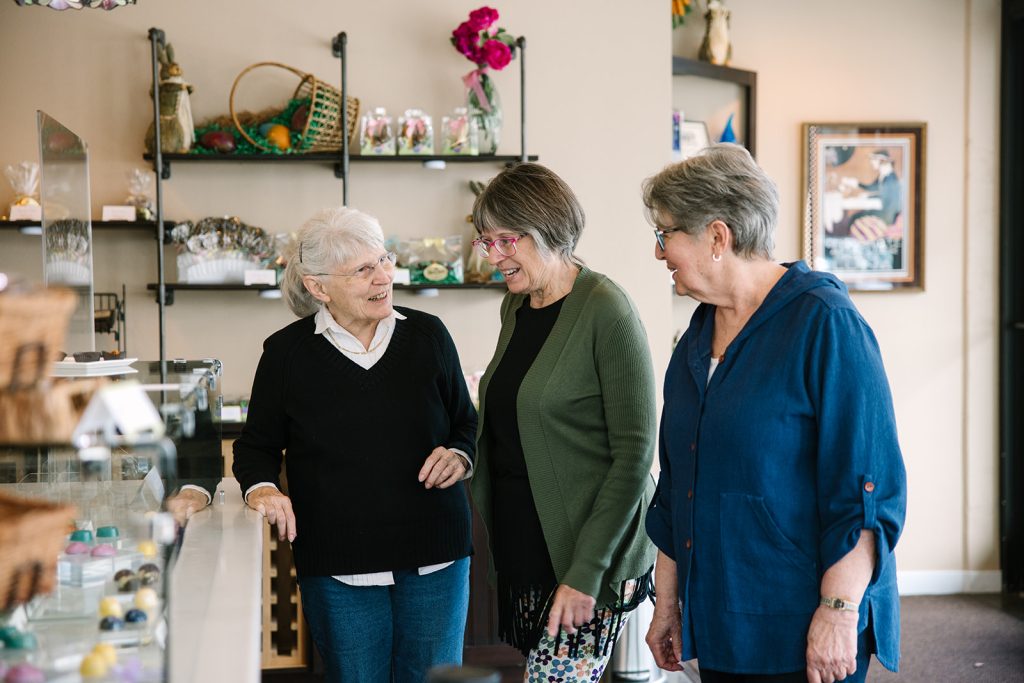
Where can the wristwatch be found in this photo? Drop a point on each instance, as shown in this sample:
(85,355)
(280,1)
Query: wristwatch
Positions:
(839,604)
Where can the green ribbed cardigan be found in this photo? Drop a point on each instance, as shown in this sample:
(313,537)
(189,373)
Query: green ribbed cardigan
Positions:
(587,420)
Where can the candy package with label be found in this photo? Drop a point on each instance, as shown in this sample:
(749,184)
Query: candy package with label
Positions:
(432,260)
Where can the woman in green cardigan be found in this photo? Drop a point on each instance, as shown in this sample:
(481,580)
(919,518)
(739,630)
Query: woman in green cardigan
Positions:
(566,435)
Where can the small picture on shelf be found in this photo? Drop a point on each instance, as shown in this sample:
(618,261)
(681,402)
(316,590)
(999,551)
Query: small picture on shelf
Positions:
(693,137)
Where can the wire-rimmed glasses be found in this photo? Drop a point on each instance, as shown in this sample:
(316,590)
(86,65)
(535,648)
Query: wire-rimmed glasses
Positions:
(506,246)
(365,272)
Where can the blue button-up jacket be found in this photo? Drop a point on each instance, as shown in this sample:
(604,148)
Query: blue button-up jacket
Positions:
(770,472)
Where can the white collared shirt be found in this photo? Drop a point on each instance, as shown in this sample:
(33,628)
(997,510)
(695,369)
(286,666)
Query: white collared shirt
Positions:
(366,358)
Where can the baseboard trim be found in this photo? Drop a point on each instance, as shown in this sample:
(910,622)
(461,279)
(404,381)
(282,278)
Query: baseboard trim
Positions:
(948,582)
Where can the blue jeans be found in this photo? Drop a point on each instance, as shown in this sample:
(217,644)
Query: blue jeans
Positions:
(380,634)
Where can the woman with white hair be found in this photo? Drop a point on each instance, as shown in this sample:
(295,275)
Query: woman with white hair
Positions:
(371,406)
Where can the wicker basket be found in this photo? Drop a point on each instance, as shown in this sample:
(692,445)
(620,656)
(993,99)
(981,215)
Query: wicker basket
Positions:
(46,413)
(32,330)
(322,132)
(31,537)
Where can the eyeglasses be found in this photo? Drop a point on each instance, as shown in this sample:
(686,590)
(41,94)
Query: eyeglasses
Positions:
(387,261)
(659,234)
(506,246)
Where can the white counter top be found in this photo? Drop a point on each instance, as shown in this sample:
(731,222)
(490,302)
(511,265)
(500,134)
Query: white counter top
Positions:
(216,593)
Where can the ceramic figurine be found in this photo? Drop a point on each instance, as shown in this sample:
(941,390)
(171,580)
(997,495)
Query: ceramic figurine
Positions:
(177,131)
(716,47)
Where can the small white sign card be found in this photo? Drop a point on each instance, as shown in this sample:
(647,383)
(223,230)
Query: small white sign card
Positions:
(118,213)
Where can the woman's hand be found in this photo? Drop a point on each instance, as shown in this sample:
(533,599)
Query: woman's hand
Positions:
(831,645)
(276,507)
(569,609)
(186,503)
(442,468)
(665,637)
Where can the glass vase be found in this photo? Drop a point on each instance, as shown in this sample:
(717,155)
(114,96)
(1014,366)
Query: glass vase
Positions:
(487,115)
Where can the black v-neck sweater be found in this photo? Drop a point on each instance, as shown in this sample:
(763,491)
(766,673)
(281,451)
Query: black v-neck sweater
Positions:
(355,441)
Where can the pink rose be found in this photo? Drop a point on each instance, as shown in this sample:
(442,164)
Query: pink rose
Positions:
(464,39)
(496,54)
(479,19)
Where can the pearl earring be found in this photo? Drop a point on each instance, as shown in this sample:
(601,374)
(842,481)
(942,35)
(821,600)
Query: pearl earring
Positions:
(716,257)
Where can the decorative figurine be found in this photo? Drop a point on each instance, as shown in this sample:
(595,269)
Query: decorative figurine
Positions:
(177,131)
(716,47)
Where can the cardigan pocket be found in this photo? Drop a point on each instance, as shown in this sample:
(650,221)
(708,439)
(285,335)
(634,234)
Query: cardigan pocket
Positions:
(764,571)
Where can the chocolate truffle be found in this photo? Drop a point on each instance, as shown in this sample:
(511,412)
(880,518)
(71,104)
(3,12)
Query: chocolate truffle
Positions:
(135,616)
(93,666)
(104,550)
(24,673)
(111,624)
(77,548)
(107,651)
(111,607)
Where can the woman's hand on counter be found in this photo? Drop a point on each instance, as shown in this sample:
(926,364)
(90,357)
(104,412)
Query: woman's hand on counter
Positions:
(277,508)
(442,468)
(185,503)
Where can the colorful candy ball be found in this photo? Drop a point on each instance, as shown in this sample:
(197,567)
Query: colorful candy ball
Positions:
(93,666)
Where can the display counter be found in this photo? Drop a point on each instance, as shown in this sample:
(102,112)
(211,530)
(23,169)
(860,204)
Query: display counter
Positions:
(216,588)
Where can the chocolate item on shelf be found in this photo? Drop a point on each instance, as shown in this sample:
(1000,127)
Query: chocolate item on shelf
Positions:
(111,624)
(83,535)
(149,574)
(127,581)
(146,599)
(86,356)
(24,673)
(104,550)
(93,666)
(15,639)
(111,607)
(107,652)
(135,616)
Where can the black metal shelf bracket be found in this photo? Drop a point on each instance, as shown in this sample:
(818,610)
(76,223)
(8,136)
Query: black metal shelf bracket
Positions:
(157,40)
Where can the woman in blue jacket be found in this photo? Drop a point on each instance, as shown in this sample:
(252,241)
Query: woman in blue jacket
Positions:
(782,489)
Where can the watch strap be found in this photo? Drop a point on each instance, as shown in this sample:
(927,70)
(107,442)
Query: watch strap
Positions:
(839,604)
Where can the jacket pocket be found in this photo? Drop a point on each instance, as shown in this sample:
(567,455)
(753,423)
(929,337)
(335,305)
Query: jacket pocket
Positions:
(764,571)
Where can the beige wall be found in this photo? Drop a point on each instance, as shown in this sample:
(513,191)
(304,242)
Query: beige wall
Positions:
(599,90)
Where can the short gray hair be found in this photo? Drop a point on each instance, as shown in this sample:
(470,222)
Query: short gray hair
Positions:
(325,242)
(721,183)
(532,199)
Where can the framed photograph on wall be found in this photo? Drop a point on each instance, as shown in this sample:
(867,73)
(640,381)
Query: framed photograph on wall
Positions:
(863,203)
(693,137)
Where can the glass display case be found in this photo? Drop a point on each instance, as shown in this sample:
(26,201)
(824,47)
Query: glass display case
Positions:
(104,619)
(115,544)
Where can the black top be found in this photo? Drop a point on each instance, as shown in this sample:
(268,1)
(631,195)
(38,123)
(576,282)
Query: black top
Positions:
(520,554)
(356,440)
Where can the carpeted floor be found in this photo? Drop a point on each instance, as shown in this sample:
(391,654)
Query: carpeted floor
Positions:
(952,638)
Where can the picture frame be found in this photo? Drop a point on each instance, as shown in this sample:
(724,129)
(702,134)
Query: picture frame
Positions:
(863,203)
(693,137)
